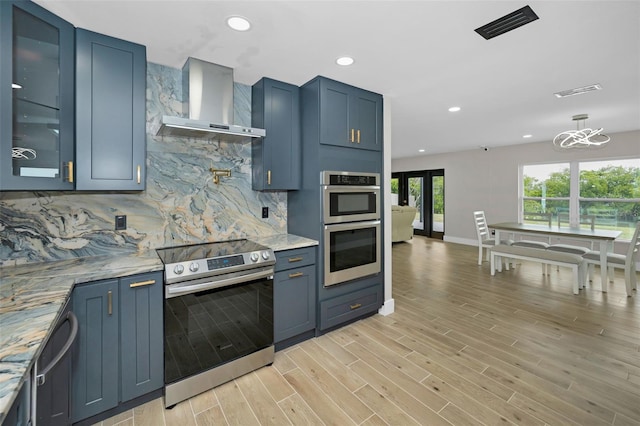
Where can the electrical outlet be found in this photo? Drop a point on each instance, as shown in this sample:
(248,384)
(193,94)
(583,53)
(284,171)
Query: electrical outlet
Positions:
(121,222)
(265,212)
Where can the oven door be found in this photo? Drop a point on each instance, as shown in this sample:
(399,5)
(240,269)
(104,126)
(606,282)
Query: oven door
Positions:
(351,250)
(216,324)
(350,203)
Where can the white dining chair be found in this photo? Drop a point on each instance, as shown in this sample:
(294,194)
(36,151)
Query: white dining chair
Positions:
(484,235)
(622,261)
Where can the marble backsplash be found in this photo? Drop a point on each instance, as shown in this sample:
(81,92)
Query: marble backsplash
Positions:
(180,205)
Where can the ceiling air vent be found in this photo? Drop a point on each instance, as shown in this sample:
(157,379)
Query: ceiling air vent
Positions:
(578,91)
(507,23)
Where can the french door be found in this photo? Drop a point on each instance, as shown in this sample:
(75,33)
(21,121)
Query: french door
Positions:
(424,190)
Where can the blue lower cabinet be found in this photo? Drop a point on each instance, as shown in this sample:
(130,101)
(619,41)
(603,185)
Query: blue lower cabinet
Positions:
(294,302)
(348,307)
(141,343)
(294,296)
(95,359)
(119,350)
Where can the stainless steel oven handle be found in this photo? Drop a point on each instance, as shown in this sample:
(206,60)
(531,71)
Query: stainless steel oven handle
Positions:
(344,188)
(176,290)
(42,373)
(351,225)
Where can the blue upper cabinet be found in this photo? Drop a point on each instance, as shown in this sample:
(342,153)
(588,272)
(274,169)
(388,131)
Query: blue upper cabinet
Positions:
(276,158)
(36,98)
(349,116)
(110,113)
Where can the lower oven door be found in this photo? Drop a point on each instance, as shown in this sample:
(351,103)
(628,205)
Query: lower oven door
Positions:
(215,324)
(351,250)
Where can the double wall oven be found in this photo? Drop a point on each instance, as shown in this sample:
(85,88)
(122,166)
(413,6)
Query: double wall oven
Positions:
(351,223)
(218,314)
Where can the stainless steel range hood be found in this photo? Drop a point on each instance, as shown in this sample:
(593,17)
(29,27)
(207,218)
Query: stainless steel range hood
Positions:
(208,102)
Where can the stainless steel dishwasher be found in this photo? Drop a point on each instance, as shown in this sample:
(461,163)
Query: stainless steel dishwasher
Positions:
(51,376)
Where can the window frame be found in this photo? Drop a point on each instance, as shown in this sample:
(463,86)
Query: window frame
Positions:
(574,188)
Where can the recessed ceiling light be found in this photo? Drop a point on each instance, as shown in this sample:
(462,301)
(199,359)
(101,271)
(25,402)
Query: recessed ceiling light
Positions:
(15,86)
(454,109)
(526,136)
(238,23)
(421,150)
(344,61)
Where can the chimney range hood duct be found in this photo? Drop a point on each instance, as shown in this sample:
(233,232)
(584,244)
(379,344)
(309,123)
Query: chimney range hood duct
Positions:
(208,95)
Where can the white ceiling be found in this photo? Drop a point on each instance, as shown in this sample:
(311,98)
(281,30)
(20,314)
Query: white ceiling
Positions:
(423,56)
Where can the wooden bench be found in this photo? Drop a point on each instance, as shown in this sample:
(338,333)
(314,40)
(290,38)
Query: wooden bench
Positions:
(573,261)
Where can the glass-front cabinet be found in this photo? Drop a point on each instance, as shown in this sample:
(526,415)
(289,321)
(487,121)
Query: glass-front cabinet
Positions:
(36,98)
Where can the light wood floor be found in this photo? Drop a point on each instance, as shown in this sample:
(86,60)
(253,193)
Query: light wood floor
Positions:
(462,348)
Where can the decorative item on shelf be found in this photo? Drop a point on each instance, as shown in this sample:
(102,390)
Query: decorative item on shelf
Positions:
(23,153)
(581,137)
(219,172)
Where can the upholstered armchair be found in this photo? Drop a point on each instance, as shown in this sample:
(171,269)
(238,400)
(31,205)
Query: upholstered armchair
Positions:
(402,218)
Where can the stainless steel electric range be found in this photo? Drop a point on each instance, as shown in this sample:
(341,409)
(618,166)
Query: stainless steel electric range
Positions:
(218,316)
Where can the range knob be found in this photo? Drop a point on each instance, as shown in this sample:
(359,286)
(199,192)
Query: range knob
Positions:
(178,269)
(265,255)
(255,257)
(194,267)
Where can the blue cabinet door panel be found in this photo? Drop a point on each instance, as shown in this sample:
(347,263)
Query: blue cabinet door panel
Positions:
(95,359)
(141,334)
(334,106)
(110,113)
(285,162)
(111,117)
(276,158)
(37,118)
(369,110)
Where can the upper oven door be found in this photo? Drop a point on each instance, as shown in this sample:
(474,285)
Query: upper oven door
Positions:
(350,203)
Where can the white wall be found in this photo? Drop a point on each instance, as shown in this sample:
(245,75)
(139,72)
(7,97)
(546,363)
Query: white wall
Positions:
(389,305)
(478,180)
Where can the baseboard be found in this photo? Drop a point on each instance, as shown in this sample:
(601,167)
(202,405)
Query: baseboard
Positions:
(465,241)
(388,307)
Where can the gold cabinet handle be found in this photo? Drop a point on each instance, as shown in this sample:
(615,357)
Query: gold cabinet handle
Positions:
(110,302)
(352,137)
(142,283)
(295,259)
(139,174)
(268,177)
(296,275)
(70,172)
(356,306)
(358,133)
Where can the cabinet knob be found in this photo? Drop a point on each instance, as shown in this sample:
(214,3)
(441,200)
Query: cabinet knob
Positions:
(268,177)
(139,175)
(296,275)
(358,138)
(352,136)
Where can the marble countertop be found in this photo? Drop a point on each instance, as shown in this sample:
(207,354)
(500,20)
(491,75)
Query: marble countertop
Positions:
(32,297)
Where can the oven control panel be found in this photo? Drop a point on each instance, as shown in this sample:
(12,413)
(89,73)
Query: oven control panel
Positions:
(200,268)
(224,262)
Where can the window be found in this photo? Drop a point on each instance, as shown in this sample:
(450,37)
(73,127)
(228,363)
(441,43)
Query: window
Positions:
(580,193)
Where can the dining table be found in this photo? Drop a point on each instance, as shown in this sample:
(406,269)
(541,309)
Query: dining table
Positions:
(603,237)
